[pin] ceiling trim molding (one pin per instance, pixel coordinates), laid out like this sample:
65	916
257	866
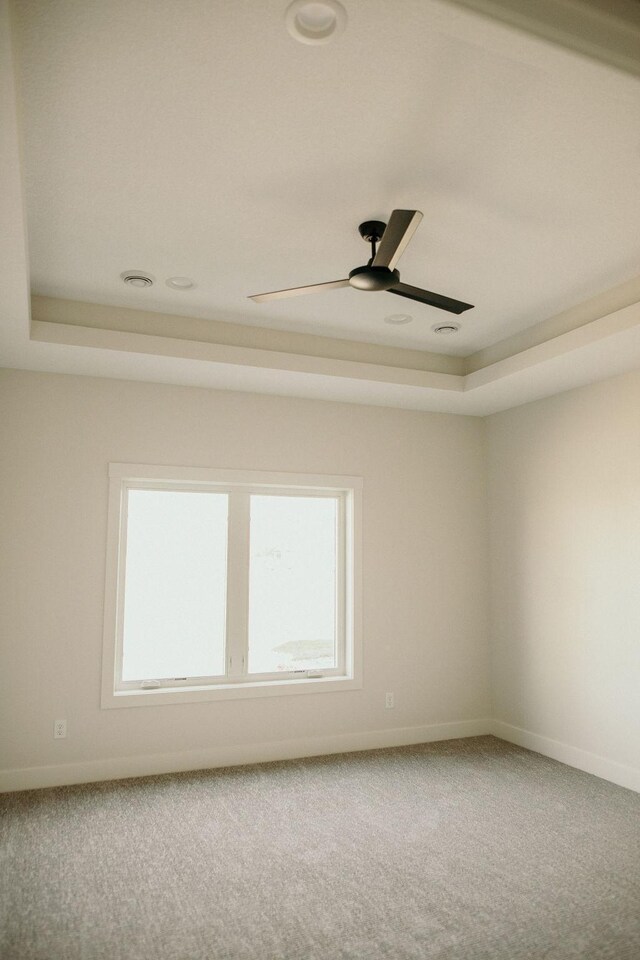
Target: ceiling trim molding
126	342
221	332
562	345
604	347
608	302
604	30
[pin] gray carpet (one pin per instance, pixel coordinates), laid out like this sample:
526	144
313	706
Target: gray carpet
463	850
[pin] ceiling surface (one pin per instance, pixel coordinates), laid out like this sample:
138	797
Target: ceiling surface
200	139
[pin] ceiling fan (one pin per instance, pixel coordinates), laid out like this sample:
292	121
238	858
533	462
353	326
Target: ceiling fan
379	273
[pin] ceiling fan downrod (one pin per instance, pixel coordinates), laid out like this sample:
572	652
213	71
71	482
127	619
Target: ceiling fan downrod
371	231
370	277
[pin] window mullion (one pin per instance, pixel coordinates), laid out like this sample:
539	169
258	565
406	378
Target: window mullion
238	585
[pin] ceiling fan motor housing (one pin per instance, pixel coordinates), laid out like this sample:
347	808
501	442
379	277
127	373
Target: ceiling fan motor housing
373	278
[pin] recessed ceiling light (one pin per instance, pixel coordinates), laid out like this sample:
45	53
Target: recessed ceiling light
315	22
137	278
398	318
180	283
446	328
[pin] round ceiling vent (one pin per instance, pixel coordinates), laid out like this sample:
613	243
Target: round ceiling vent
137	278
446	328
315	22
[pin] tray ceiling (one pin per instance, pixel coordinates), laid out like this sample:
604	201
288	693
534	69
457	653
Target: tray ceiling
199	139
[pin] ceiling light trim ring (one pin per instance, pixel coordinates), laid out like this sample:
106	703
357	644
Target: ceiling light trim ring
180	283
398	318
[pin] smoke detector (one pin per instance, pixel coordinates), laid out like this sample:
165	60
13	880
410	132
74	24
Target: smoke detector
315	22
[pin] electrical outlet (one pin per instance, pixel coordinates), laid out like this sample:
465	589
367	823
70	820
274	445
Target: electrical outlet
59	729
389	701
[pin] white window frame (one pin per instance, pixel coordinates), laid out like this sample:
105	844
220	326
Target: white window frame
347	675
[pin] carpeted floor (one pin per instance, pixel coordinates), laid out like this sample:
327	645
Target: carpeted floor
460	850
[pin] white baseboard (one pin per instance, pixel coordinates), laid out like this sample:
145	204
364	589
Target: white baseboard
117	768
611	770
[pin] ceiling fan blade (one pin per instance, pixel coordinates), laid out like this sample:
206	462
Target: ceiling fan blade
401	227
433	299
297	291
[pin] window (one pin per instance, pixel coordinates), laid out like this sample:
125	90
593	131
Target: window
227	584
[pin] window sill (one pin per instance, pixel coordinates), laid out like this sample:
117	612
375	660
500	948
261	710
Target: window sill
227	691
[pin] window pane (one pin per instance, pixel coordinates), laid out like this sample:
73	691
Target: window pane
175	585
292	583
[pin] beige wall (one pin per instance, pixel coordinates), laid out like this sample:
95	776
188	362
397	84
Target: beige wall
564	481
425	600
564	510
